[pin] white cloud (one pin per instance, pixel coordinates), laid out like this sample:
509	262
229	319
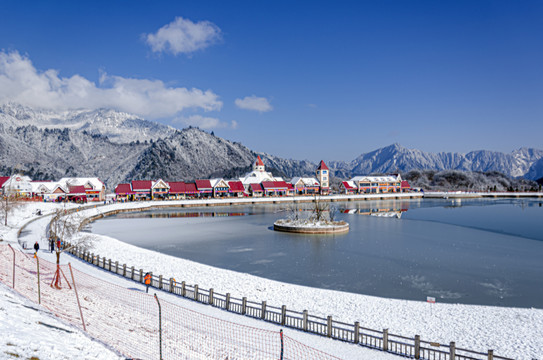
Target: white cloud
252	102
183	36
203	122
22	83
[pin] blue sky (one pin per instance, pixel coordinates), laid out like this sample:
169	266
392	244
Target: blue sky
303	80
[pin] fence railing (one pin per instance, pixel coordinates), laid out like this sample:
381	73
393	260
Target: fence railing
413	347
140	325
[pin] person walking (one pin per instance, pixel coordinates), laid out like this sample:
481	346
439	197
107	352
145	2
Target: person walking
36	246
147	280
51	245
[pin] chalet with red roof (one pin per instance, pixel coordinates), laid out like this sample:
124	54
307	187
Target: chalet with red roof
141	189
204	188
177	190
236	188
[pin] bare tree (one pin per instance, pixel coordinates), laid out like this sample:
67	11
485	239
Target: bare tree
9	202
319	209
64	231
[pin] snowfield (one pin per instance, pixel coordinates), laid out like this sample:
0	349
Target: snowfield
510	332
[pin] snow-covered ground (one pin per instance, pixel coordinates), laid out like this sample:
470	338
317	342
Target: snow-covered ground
510	332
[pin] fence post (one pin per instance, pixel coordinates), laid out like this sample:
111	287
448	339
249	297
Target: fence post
305	316
160	281
452	355
98	260
109	263
263	313
490	354
39	290
356	332
228	301
116	267
283	314
133	275
171	285
92	258
244	305
183	289
417	346
159	326
77	297
141	275
13	265
329	326
385	339
211	296
281	335
124	270
196	292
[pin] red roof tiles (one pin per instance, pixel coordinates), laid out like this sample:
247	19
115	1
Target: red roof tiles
259	161
236	186
177	187
123	189
142	185
203	185
322	166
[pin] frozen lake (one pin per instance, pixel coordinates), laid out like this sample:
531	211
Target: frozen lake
473	251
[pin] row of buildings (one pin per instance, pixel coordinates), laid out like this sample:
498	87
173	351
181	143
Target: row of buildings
66	189
256	183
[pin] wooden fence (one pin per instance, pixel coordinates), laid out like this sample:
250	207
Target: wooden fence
354	333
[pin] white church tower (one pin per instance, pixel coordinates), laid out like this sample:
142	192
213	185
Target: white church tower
259	165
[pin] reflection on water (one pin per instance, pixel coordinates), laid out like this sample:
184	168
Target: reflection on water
391	213
184	214
476	251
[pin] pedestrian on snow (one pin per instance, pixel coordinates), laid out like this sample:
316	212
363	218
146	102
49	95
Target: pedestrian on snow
51	245
147	279
36	246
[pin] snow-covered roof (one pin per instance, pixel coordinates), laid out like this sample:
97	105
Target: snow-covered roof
93	182
304	181
377	179
257	177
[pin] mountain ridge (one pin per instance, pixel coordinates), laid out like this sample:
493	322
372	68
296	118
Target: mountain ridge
119	147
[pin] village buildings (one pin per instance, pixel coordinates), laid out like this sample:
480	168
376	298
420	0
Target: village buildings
66	189
257	183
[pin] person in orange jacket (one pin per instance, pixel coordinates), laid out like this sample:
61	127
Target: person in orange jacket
147	281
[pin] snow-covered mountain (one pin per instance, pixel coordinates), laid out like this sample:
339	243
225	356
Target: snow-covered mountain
119	127
396	158
118	147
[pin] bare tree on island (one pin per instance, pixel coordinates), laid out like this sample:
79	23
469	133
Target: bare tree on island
319	209
64	229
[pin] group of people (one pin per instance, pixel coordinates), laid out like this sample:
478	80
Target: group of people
59	245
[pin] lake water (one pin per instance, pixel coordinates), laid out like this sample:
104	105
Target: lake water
473	251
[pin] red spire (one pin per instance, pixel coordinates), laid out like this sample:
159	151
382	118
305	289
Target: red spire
259	161
322	166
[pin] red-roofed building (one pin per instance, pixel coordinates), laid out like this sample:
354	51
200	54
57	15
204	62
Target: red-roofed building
275	188
348	187
77	193
236	188
204	188
177	189
256	190
323	177
405	187
191	190
141	189
123	192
